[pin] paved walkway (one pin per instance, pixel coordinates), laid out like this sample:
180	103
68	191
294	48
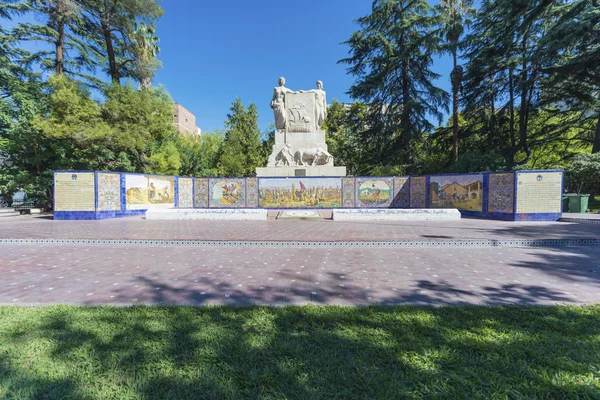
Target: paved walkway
293	230
94	275
128	274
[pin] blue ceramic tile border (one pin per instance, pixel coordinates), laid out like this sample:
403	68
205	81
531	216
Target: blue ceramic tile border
308	244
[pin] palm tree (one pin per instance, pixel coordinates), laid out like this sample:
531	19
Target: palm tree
454	15
146	48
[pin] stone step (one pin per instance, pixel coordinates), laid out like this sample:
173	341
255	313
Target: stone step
12	213
7	210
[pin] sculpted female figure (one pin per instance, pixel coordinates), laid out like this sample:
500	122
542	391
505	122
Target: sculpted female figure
278	104
321	103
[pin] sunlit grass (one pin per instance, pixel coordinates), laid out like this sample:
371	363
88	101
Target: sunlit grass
299	352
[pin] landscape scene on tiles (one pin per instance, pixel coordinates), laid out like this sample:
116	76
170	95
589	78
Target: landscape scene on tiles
464	192
374	192
300	193
149	191
227	193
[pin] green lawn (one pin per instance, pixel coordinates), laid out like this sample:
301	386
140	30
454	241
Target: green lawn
299	353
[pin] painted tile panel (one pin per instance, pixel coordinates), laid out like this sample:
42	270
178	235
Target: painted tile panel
401	193
200	192
464	192
374	192
252	193
185	192
418	192
348	192
301	193
227	192
109	192
149	191
501	193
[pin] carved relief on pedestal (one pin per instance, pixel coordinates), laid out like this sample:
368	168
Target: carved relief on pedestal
300	112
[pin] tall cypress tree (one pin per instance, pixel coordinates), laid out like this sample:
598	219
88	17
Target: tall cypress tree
391	58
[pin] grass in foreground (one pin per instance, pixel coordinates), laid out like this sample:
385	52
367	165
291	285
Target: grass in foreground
299	353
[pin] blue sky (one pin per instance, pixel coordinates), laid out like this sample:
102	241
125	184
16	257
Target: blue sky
213	51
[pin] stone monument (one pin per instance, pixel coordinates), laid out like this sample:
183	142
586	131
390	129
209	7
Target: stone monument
300	148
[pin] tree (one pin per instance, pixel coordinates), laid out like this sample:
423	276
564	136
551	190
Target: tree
502	79
582	174
200	154
455	15
241	152
66	48
391	58
571	57
117	36
344	125
145	49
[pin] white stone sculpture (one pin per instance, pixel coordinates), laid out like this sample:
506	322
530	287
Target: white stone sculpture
278	104
312	157
320	103
284	157
300	148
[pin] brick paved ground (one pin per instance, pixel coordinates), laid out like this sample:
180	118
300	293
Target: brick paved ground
309	230
77	274
92	275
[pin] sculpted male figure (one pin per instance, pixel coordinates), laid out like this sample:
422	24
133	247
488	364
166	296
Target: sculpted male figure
278	104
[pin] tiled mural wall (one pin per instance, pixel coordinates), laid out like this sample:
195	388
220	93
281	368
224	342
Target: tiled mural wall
486	195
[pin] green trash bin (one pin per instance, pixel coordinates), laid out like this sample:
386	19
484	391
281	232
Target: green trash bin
565	204
578	203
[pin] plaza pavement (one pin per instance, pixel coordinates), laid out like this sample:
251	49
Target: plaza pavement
33	274
293	230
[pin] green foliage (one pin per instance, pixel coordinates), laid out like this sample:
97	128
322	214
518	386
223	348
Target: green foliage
391	57
164	160
242	151
200	154
582	174
471	161
72	114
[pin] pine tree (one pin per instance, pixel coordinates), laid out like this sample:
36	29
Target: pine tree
502	79
67	49
113	25
241	151
391	58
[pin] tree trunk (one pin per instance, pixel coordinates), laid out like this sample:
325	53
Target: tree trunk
511	106
455	87
492	119
110	51
406	134
60	40
524	107
596	147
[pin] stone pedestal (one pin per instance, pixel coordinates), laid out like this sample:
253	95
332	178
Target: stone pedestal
318	170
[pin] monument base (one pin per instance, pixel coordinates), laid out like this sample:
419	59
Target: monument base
231	214
396	214
317	170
